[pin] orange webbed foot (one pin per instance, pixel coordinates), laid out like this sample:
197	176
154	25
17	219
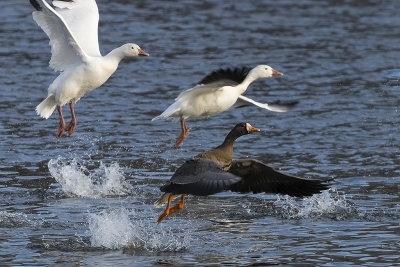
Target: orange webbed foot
172	210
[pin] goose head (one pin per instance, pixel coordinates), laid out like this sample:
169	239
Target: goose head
244	128
264	71
133	50
240	129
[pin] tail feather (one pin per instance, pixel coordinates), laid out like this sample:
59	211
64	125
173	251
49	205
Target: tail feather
169	112
46	107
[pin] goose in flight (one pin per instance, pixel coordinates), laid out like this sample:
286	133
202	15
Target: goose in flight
215	171
216	93
72	29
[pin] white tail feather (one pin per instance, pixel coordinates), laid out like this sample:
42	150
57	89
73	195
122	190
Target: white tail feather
46	107
169	112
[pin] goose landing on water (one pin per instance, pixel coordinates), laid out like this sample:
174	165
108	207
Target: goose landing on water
216	93
72	29
215	171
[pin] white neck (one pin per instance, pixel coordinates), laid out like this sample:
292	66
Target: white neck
246	82
116	55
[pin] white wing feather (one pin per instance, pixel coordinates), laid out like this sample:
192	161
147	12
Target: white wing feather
203	88
276	108
65	48
82	18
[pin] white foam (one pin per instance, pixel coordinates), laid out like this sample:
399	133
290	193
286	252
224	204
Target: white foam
111	229
14	219
330	203
76	179
120	228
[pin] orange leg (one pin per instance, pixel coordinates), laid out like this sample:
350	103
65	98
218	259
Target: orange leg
61	128
172	210
184	133
72	124
166	212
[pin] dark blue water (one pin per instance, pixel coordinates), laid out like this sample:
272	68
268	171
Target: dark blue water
88	199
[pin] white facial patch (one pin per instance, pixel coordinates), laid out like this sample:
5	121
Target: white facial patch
248	126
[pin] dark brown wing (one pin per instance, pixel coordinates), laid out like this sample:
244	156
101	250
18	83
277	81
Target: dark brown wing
258	177
200	177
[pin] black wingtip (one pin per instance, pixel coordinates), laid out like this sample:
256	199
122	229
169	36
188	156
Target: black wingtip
234	74
36	5
312	187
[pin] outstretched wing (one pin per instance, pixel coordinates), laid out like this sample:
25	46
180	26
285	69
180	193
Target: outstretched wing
62	27
82	17
200	177
258	177
277	107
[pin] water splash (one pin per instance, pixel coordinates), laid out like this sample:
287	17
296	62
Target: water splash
11	219
330	203
113	229
76	179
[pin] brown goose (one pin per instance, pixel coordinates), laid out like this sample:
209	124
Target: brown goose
214	171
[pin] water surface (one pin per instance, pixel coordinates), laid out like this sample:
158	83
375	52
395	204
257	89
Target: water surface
88	199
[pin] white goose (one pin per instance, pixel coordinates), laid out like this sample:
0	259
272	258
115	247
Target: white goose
217	92
72	29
